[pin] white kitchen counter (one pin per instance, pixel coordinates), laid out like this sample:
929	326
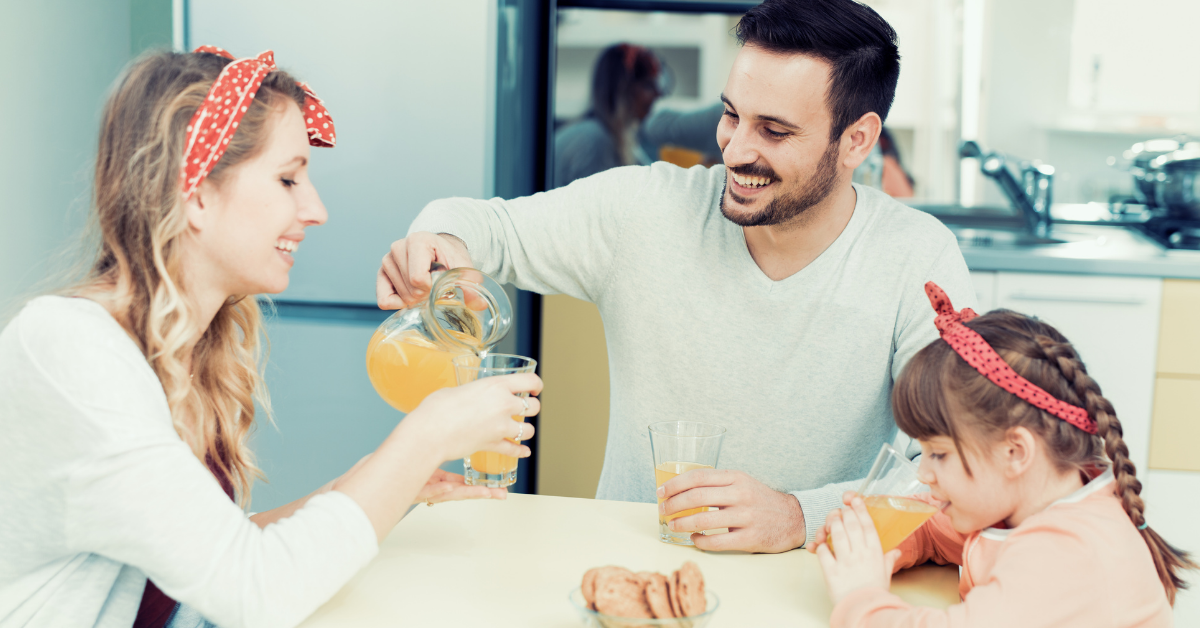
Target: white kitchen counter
513	563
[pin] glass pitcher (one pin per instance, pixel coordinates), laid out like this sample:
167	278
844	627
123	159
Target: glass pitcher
412	352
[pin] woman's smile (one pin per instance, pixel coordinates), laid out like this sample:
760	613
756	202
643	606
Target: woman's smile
287	246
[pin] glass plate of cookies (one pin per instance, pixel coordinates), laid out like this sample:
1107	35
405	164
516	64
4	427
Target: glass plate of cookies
615	597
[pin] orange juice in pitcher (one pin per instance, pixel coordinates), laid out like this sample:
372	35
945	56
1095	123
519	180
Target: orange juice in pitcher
410	355
406	367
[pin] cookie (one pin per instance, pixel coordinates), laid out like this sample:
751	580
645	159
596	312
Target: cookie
588	588
657	596
690	583
620	593
673	593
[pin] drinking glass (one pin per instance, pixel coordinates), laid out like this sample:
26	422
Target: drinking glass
891	493
488	468
679	447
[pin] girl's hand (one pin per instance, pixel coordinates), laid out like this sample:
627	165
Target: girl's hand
444	486
823	532
860	561
479	416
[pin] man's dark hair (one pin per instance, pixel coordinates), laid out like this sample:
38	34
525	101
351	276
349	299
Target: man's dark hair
851	37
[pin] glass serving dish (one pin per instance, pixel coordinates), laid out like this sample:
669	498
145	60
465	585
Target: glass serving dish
594	619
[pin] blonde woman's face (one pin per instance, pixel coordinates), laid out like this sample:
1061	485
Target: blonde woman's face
251	225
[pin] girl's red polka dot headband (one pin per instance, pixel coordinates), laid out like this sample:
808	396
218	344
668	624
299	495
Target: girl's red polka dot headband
227	101
972	348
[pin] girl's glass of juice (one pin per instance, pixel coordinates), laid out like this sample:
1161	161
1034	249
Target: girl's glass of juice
896	499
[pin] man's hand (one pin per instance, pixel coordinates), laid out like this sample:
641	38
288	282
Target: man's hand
759	518
404	279
860	561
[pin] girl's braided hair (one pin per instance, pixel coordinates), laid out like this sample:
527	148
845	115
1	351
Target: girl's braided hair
937	381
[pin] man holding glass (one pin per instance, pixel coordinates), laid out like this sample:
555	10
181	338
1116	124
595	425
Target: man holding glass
770	295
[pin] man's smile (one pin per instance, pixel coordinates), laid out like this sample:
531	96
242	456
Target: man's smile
748	185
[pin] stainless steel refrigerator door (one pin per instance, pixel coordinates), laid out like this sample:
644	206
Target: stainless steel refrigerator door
411	87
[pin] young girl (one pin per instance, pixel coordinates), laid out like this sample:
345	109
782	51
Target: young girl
1044	515
125	403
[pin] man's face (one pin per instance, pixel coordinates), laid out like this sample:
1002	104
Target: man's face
774	138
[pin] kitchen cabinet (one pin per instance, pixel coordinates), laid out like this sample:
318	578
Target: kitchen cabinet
1113	323
1179	349
1175	435
573	424
1177	395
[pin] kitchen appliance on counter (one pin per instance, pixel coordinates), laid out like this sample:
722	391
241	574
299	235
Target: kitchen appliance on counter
1166	178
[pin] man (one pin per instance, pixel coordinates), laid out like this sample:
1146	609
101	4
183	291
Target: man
769	295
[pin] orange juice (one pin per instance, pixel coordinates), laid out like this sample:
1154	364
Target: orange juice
406	367
668	470
895	518
492	463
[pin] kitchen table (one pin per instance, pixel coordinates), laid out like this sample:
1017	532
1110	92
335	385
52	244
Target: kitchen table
513	563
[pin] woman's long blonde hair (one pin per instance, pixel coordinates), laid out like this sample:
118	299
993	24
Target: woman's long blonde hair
140	219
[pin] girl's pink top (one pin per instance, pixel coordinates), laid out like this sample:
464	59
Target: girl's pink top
1079	562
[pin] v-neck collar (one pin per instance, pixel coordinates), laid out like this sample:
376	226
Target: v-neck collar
835	248
1097	483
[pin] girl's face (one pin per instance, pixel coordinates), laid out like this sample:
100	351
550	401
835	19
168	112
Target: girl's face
247	229
976	501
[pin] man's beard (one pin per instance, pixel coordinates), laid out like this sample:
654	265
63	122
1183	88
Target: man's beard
787	206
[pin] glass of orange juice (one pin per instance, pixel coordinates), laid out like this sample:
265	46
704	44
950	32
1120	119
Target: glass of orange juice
488	468
896	499
679	447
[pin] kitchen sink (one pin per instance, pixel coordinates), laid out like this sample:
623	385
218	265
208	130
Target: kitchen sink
1081	239
994	228
1014	238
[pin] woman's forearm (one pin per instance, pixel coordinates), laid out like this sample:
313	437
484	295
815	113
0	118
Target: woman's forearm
267	517
386	484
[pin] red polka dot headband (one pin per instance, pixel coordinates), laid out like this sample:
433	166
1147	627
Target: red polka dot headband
229	98
972	348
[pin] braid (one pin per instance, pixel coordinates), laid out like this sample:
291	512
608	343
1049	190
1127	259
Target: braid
1063	356
1167	559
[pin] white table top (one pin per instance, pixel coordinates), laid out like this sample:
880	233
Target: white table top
513	563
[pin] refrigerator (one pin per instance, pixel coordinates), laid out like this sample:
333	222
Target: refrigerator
412	88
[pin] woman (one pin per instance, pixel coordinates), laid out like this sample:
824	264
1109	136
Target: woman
625	84
126	401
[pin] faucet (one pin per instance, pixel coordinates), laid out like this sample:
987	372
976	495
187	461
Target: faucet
1031	196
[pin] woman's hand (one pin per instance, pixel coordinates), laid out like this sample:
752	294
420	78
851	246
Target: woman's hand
860	561
444	486
478	416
